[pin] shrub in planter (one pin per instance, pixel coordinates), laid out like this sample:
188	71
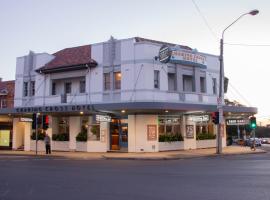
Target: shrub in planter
81	137
170	138
205	136
40	135
60	137
95	130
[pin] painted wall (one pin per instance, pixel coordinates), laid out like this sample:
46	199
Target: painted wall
137	133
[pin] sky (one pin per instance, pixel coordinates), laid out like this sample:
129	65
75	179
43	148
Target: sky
52	25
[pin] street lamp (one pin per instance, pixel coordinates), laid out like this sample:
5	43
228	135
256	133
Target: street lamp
221	78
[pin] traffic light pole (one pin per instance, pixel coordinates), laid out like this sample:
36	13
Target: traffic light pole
36	133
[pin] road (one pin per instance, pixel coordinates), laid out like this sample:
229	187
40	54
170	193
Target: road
229	177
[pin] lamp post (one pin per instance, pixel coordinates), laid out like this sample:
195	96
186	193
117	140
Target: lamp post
221	78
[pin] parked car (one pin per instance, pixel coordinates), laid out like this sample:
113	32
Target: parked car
265	140
249	142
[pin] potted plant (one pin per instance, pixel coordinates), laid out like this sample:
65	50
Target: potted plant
95	130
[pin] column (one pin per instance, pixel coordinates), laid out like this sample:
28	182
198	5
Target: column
27	134
74	129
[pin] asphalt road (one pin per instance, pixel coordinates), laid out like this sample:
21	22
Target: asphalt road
229	177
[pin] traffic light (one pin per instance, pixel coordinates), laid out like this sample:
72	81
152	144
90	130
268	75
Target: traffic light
252	122
34	121
215	117
45	122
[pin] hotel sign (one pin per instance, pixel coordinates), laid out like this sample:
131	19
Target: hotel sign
48	109
181	56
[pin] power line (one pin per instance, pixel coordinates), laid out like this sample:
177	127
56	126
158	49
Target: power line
249	104
248	45
204	19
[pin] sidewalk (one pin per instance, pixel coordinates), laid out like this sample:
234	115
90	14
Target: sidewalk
168	155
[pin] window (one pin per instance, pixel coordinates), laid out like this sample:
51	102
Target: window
67	88
169	125
53	88
107	83
117	80
156	79
171	81
188	84
202	84
32	86
3	103
82	86
25	89
214	83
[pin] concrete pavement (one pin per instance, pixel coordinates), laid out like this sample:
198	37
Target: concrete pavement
168	155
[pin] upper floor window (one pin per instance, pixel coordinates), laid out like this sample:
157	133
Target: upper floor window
188	83
82	86
171	81
25	89
156	79
67	87
117	80
202	84
3	103
214	84
32	88
107	82
53	88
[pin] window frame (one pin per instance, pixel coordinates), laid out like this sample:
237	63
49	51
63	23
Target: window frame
106	81
117	82
25	89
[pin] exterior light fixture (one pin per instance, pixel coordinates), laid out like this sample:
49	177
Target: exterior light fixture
123	111
166	111
81	113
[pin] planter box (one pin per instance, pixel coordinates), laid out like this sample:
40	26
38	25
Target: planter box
201	144
81	146
96	146
60	145
40	147
171	146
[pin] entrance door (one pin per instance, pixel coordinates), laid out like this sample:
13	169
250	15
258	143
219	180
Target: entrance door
119	135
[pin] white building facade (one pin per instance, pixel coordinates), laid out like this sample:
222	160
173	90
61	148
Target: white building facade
132	95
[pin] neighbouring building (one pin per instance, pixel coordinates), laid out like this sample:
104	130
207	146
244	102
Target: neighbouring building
6	101
134	95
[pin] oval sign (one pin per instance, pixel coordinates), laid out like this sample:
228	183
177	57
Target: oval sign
164	54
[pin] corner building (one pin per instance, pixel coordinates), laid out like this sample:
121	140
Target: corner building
132	95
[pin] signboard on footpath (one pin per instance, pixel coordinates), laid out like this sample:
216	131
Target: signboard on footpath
190	131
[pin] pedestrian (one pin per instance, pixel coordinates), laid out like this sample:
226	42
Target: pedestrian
47	141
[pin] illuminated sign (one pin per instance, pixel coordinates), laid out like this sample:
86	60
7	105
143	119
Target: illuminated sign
23	119
103	118
199	118
181	56
237	121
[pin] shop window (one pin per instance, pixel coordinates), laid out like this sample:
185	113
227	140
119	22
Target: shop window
171	81
63	130
107	82
202	84
188	83
82	86
156	79
117	80
25	89
169	125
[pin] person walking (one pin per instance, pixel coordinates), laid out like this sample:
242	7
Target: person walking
47	141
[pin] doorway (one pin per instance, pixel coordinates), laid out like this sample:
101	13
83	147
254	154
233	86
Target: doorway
119	135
